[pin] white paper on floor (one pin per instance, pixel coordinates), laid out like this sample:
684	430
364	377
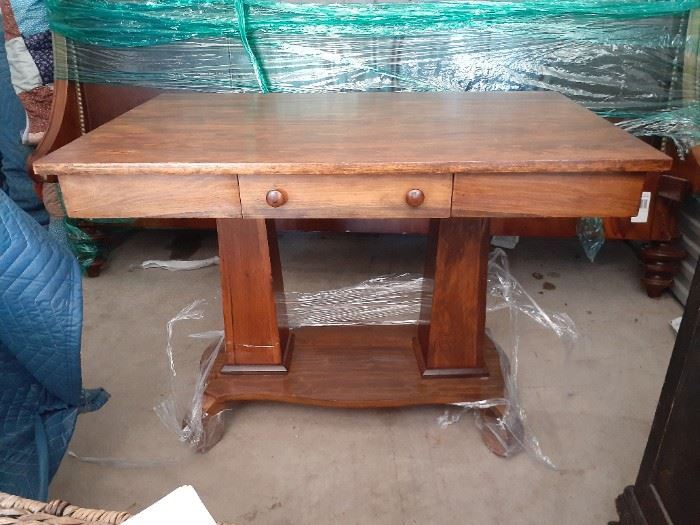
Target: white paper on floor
676	324
181	507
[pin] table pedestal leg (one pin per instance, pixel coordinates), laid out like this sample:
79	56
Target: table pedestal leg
448	361
254	340
251	277
452	343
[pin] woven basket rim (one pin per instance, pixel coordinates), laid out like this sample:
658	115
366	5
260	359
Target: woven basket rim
14	507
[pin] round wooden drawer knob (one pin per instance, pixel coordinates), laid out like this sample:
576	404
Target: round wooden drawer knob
415	197
275	198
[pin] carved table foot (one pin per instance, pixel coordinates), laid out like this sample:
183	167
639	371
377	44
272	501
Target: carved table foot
212	431
501	431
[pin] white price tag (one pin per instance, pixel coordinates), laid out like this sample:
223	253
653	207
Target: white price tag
643	213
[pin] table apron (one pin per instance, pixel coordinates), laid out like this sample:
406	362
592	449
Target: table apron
390	196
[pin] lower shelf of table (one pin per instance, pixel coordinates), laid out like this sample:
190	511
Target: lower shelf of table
354	367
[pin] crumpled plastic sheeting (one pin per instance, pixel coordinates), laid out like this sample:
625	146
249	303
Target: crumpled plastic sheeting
182	410
391	299
591	234
681	125
615	57
388	299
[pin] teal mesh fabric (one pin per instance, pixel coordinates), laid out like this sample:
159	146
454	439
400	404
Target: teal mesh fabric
621	58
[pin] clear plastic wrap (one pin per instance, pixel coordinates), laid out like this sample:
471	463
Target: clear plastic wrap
617	57
591	235
681	125
391	299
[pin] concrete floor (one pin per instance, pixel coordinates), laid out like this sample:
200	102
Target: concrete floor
590	407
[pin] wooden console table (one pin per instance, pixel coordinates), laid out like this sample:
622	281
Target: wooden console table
456	158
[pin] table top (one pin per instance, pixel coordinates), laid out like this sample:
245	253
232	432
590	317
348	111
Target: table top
355	133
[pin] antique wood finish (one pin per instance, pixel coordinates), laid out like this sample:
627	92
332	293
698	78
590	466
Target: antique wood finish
355	367
101	103
338	133
251	276
526	226
543	195
662	261
534	227
457	262
355	156
121	99
523	226
94	196
667	486
370	226
499	437
332	196
64	126
177	224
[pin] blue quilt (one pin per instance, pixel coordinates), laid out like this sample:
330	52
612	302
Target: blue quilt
41	390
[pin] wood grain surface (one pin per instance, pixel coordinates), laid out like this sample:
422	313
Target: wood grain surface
251	276
155	195
354	133
457	263
547	195
361	196
354	367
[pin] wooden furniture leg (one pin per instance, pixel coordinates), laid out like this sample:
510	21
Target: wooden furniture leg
452	344
447	361
254	341
662	261
251	277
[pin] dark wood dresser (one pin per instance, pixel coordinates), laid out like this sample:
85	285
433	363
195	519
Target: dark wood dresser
667	489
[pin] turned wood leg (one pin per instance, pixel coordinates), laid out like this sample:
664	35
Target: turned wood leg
662	261
251	277
457	261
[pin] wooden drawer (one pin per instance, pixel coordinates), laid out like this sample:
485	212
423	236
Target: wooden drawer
547	194
337	196
94	196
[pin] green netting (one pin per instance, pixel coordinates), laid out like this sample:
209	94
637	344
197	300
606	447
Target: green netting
91	241
128	23
621	58
681	125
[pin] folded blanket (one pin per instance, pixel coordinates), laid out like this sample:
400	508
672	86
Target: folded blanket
29	52
41	317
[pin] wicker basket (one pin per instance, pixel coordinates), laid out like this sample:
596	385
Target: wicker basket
16	510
